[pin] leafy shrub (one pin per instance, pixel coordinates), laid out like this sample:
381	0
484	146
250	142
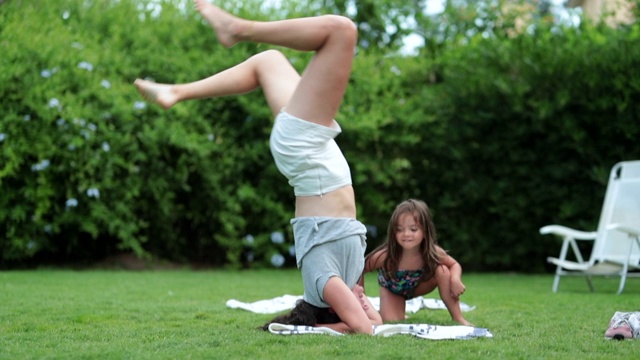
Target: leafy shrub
500	135
88	169
533	125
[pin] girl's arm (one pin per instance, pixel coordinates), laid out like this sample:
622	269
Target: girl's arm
455	271
373	262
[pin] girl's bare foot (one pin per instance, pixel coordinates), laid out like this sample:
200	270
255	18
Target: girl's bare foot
228	28
160	94
463	321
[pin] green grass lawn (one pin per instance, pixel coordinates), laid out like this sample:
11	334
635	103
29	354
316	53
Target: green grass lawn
181	314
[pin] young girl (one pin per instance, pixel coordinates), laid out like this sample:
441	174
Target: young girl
329	241
411	264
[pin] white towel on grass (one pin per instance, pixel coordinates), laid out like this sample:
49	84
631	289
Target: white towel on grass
422	331
288	302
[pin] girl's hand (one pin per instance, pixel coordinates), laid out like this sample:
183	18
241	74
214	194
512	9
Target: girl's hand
457	289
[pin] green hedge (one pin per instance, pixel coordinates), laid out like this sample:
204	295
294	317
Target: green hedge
88	169
499	135
532	126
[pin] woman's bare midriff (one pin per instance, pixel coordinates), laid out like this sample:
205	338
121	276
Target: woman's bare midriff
338	203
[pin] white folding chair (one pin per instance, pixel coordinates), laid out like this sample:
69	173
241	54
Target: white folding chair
616	242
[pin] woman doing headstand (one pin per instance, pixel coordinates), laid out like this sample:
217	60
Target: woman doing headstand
329	241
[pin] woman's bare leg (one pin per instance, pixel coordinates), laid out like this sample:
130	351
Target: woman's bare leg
269	70
324	81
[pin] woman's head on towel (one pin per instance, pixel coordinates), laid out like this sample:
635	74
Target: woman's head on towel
305	314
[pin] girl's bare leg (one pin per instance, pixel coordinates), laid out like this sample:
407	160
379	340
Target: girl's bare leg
442	280
324	81
392	306
269	70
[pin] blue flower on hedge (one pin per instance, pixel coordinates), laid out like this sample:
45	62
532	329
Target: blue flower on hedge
139	105
79	121
250	256
277	237
93	192
2	137
47	228
248	239
71	203
106	147
41	165
277	260
66	14
292	250
26	118
85	65
46	73
105	84
54	103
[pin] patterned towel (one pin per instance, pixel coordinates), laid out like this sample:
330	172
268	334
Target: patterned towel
288	302
282	329
422	331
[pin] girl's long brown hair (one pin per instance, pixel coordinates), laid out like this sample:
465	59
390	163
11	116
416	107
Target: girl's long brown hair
422	216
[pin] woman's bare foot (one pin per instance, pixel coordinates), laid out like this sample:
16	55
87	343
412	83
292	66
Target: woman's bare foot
228	28
160	94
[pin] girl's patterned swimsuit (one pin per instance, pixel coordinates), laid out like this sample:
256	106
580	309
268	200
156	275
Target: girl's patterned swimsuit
404	283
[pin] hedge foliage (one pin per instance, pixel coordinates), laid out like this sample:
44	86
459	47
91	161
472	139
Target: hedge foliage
499	134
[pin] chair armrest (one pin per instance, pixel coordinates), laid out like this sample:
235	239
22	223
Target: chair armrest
632	231
568	232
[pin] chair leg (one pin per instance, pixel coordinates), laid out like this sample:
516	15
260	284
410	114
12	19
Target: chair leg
589	283
625	267
623	276
556	280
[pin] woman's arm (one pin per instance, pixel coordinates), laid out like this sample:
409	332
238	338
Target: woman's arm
371	311
339	327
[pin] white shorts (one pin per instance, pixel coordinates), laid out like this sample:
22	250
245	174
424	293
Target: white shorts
308	156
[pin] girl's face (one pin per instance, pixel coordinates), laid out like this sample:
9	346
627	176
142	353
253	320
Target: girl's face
409	234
